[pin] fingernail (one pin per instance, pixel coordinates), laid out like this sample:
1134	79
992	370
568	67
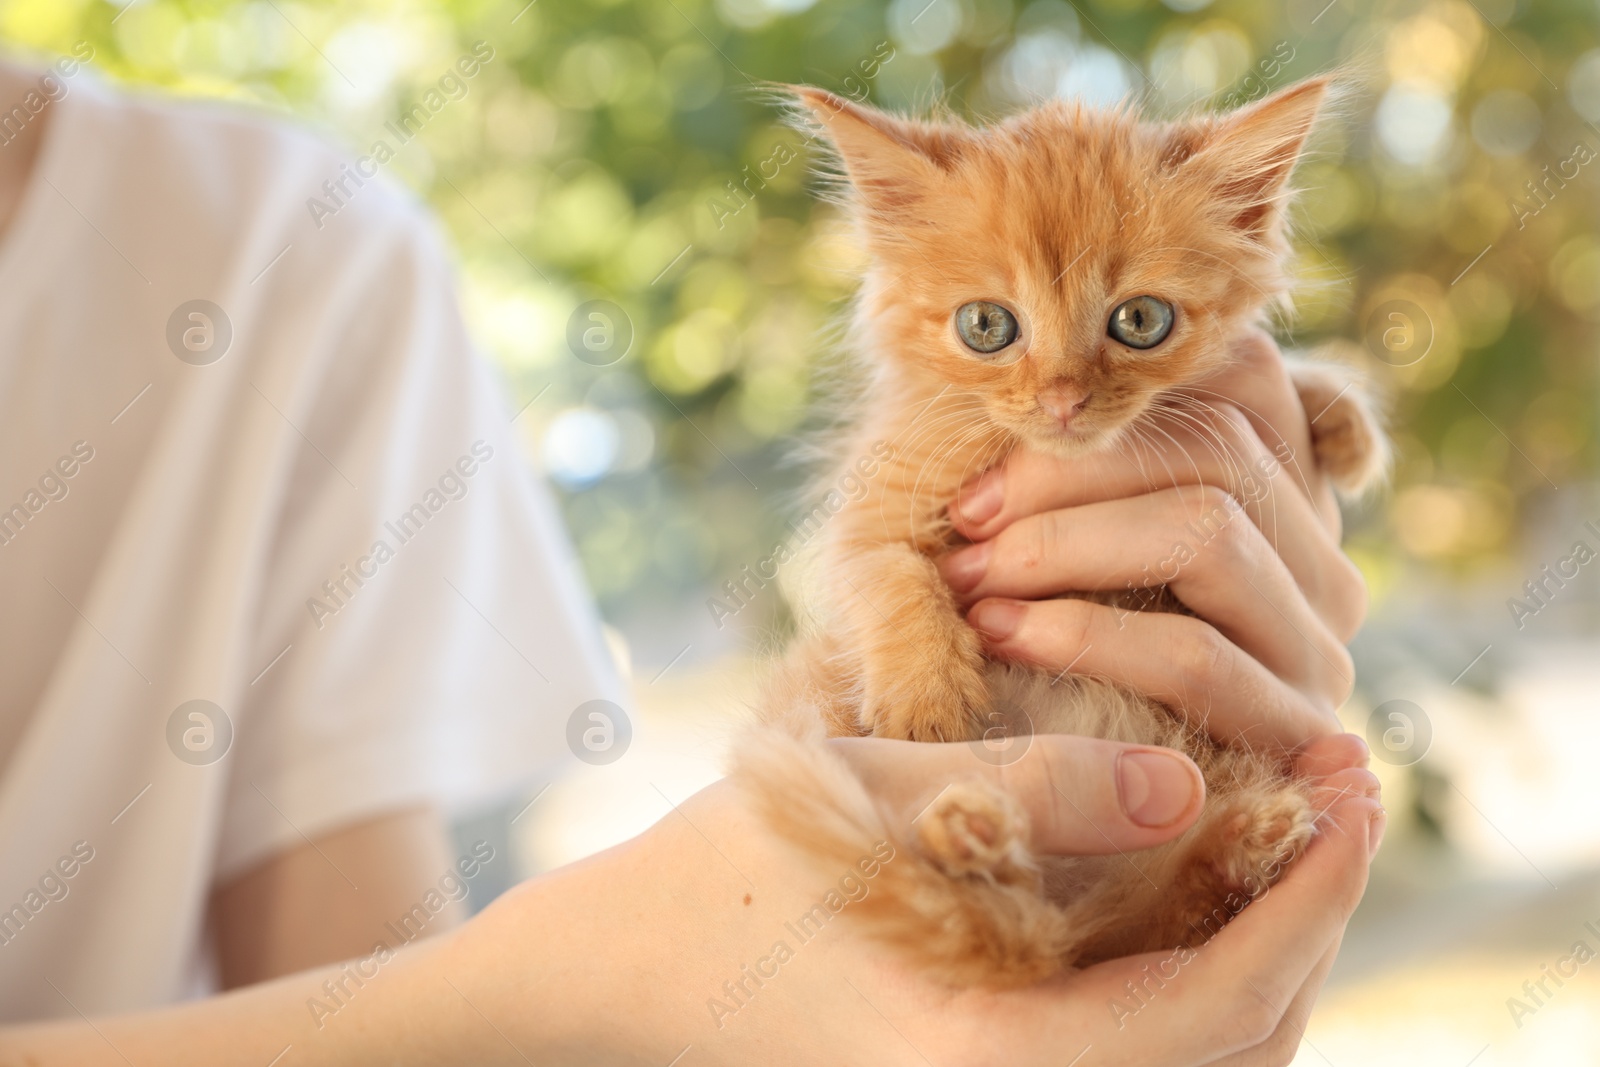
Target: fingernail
983	502
1375	828
965	568
1155	786
996	619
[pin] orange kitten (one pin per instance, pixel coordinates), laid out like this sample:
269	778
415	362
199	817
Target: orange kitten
1049	280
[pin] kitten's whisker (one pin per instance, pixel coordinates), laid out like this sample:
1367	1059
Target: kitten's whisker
1235	473
1298	467
934	469
1266	502
1183	407
1209	435
1160	453
1226	458
983	437
914	449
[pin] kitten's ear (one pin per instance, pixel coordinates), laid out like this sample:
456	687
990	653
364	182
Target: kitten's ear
1247	156
890	161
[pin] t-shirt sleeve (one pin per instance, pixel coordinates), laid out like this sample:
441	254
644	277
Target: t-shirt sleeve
424	634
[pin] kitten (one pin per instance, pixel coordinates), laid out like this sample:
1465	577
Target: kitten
1053	280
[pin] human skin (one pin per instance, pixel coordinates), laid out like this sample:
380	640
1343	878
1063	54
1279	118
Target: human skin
614	960
296	909
1275	598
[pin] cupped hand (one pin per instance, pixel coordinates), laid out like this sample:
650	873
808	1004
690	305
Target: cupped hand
667	946
1218	501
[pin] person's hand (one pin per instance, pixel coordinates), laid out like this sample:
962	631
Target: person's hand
635	956
1222	503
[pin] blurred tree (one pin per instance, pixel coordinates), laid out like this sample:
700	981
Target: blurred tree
620	150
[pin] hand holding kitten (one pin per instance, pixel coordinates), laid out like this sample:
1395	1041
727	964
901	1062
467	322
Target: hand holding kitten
1273	598
636	985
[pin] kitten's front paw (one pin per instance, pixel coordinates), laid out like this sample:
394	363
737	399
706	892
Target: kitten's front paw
916	702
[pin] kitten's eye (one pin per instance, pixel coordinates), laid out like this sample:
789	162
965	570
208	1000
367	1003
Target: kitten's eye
1142	322
984	327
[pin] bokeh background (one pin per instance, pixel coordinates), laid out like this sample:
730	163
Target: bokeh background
1447	228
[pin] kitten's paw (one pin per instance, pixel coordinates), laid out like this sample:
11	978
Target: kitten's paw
1256	838
1346	432
917	702
974	828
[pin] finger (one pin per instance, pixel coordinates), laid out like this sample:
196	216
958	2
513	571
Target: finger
1218	448
1285	1040
1225	453
1139	998
1257	383
1243	979
1195	541
1326	756
1083	796
1201	1002
1193	1004
1198	672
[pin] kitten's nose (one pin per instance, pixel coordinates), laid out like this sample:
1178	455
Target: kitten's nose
1063	400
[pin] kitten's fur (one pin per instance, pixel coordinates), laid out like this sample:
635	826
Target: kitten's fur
1060	214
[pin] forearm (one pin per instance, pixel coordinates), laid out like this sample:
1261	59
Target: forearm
685	937
368	1023
555	972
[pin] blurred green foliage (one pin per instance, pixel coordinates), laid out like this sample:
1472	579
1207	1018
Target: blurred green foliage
593	159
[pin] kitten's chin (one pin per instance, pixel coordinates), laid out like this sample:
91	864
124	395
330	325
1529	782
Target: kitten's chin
1069	443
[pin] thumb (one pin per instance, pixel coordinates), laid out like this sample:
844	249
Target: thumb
1083	796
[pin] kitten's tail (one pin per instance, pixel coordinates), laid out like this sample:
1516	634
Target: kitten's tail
961	896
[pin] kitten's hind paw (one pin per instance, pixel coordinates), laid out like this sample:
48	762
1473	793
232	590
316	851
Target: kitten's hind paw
975	829
1346	431
1258	839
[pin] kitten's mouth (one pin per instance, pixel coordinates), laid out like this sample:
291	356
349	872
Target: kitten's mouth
1073	438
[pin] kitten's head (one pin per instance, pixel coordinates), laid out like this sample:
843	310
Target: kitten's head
1068	266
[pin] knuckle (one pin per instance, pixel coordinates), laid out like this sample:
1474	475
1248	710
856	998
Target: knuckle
1252	1022
1235	537
1347	596
1205	515
1279	1049
1211	500
1326	678
1260	1018
1200	656
1344	666
1077	621
1236	431
1257	351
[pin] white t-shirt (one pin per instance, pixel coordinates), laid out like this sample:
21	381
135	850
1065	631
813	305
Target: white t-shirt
327	533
